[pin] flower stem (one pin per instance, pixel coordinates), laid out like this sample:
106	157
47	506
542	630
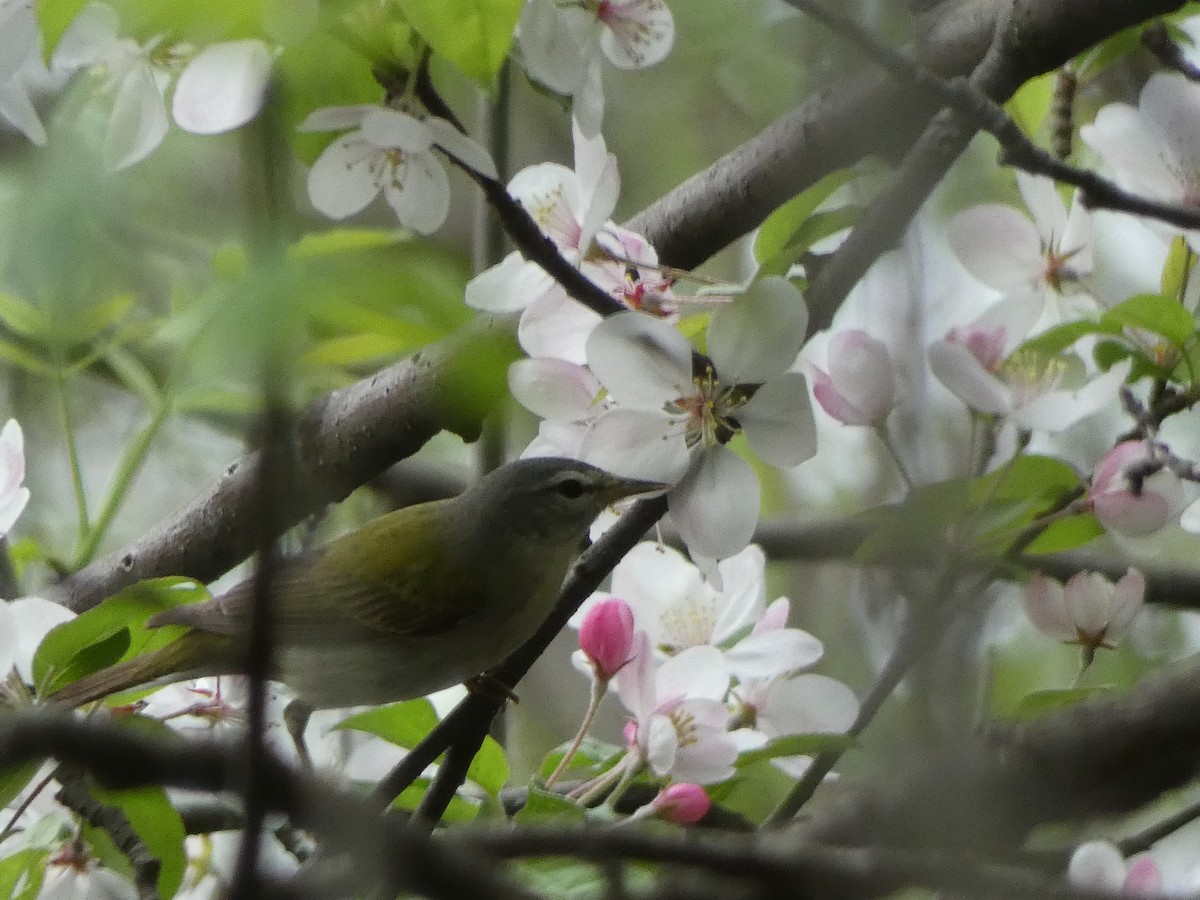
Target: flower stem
64	408
881	430
599	689
131	462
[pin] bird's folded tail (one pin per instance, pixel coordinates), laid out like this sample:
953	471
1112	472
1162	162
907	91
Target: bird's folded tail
194	655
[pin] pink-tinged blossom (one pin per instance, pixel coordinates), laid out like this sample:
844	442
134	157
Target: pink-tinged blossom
13	494
1099	866
561	46
671	423
1036	262
20	56
606	637
1118	507
679	726
390	152
220	88
860	386
682	804
679	608
570	206
981	365
1089	610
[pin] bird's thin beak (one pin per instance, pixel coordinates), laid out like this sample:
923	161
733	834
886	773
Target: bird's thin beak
629	487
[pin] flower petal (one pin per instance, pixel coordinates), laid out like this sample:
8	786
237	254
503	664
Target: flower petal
222	87
555	325
467	151
553	388
419	192
644	363
636	443
637	34
778	421
771	653
808	704
509	286
759	334
138	123
715	506
997	245
960	372
342	181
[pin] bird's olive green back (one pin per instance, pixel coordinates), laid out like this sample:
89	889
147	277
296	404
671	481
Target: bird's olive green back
388	578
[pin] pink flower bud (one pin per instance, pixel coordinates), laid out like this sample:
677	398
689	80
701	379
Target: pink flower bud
1115	503
859	388
606	637
683	804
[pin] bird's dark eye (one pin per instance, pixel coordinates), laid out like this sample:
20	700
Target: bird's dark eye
570	488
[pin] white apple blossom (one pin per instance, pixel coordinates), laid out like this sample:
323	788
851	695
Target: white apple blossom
390	152
220	87
806	703
977	364
679	608
1041	262
680	721
1089	610
1153	149
561	45
23	625
670	423
13	494
19	54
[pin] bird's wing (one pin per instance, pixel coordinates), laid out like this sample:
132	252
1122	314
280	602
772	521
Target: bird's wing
342	590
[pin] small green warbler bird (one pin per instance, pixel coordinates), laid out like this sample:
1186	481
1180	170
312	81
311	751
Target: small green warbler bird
414	601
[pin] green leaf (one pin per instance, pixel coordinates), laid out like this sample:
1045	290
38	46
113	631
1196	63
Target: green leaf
20	357
13	780
473	35
1156	313
1040	703
489	768
777	232
1030	475
90	320
346	240
53	18
1055	340
23	317
1066	534
159	826
360	349
593	755
816	227
1177	269
134	375
22	873
542	805
1031	103
458	812
404	724
111	632
797	745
